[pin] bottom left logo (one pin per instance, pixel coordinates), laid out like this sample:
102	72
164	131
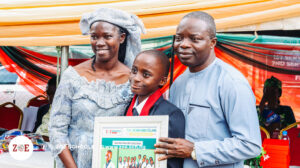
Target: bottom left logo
20	148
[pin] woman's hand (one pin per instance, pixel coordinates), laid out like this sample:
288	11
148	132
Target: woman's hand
67	159
264	99
174	148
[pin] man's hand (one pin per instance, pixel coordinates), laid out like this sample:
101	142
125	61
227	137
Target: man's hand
174	147
46	138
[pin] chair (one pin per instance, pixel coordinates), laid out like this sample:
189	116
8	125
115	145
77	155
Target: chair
291	126
11	116
37	101
264	133
293	133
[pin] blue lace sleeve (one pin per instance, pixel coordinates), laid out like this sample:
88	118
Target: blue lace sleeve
60	115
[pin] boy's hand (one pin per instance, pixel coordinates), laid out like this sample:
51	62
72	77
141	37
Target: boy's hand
174	147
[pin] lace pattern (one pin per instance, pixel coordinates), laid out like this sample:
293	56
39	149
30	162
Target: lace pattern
76	103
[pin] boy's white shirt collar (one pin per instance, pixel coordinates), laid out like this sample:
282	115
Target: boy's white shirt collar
140	106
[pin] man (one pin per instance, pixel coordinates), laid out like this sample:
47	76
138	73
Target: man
109	163
43	114
132	163
139	162
125	163
128	161
120	164
144	162
151	159
151	165
221	121
144	165
135	161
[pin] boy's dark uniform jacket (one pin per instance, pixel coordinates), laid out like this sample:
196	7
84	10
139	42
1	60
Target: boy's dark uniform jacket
176	124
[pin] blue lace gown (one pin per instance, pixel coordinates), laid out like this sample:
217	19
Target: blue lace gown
76	103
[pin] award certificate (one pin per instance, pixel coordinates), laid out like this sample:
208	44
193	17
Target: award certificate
128	141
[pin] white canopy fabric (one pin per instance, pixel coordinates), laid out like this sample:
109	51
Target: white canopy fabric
282	24
55	22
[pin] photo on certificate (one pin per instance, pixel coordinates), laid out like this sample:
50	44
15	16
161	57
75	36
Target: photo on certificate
109	158
136	158
121	142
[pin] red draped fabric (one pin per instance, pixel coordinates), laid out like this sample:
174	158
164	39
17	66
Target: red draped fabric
35	82
281	57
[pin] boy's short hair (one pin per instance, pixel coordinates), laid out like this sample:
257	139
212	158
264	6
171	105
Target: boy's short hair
205	17
162	57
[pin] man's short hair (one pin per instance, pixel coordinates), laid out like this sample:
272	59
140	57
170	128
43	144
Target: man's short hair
205	17
162	57
51	86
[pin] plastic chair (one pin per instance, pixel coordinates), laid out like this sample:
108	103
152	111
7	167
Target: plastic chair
37	101
293	133
10	117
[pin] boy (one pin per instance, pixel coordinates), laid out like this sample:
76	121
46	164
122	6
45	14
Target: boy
148	74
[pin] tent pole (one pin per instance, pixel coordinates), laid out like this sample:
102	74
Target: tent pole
64	58
172	65
58	49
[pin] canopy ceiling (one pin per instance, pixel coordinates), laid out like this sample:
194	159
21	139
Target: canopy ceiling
55	22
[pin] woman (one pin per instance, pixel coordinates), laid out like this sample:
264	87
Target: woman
97	87
274	116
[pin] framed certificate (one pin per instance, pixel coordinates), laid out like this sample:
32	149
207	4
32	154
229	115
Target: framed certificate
128	141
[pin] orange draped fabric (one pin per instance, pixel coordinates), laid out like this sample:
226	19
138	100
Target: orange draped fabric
256	78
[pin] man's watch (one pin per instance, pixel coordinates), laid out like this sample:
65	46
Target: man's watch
193	154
